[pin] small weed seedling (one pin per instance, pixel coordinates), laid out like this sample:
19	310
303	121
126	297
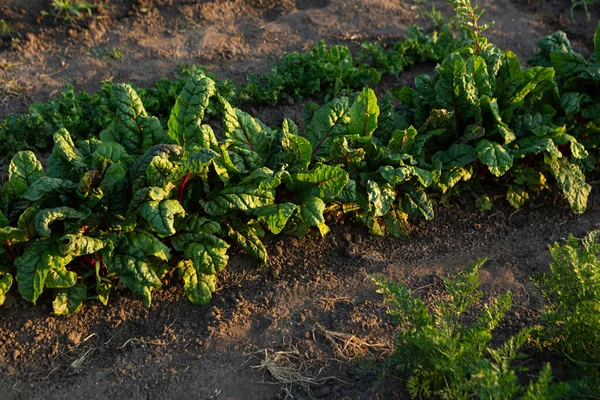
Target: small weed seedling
70	10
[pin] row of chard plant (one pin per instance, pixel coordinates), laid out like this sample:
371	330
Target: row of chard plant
140	202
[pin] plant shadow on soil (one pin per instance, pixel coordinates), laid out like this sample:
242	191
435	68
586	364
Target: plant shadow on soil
312	284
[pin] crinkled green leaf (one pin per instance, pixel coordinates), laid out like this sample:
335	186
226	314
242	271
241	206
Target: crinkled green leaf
276	216
66	150
381	196
34	265
457	155
567	63
109	151
152	132
195	164
133	266
417	203
149	244
25	167
161	215
534	145
13	190
207	252
496	157
187	114
325	182
396	222
70	301
238	198
126	126
60	279
477	68
295	151
387	120
403	141
137	172
327	123
571	181
363	114
113	174
198	287
348	194
45	217
246	132
46	185
424	176
455	89
312	210
77	245
247	238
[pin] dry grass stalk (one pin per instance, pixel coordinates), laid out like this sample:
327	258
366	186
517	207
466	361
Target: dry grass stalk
288	369
349	347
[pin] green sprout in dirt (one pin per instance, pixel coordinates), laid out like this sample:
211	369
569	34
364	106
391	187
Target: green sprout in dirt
447	357
70	10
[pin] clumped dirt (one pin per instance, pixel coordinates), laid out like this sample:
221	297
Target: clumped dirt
311	285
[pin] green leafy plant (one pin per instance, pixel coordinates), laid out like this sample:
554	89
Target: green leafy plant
571	316
448	358
578	83
70	10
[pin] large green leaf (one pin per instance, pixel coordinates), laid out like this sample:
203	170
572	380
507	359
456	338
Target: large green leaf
238	198
70	301
198	287
325	182
363	114
34	266
126	128
132	264
327	123
185	122
65	149
571	181
77	245
381	196
47	216
160	215
247	238
276	216
246	132
457	155
207	252
417	203
496	157
46	185
455	89
25	167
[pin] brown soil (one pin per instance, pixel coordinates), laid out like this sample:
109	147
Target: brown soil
177	350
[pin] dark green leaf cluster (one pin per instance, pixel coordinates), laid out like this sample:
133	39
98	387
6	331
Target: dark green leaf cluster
322	70
578	82
329	72
448	358
481	105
